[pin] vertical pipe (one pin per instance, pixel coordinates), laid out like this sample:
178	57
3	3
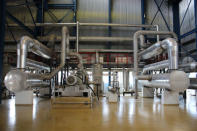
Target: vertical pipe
135	61
157	28
97	57
2	34
77	35
195	13
18	55
136	88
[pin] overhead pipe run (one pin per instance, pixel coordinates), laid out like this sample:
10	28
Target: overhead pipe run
86	39
87	24
78	24
106	50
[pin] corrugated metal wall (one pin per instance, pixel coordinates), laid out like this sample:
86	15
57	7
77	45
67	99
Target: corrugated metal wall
123	11
151	10
189	22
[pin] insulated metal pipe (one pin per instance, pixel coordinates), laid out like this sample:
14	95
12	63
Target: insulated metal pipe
151	51
135	38
18	56
35	47
144	77
156	66
142	41
65	40
189	66
91	39
116	25
97	57
106	50
175	81
172	47
87	24
77	40
105	39
37	83
36	64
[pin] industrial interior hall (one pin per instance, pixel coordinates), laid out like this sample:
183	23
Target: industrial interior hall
103	65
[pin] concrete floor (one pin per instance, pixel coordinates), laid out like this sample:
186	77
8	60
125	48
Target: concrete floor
129	114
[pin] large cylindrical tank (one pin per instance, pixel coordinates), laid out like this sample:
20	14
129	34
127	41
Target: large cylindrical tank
15	81
175	81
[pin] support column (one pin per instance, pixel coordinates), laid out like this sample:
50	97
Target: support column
176	21
147	92
2	35
143	12
24	98
195	14
170	97
126	79
41	7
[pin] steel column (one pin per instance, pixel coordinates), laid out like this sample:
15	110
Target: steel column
109	21
41	7
143	11
75	10
176	21
2	35
109	32
195	14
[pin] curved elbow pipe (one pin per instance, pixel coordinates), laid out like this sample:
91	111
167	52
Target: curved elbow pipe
27	43
65	42
172	47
